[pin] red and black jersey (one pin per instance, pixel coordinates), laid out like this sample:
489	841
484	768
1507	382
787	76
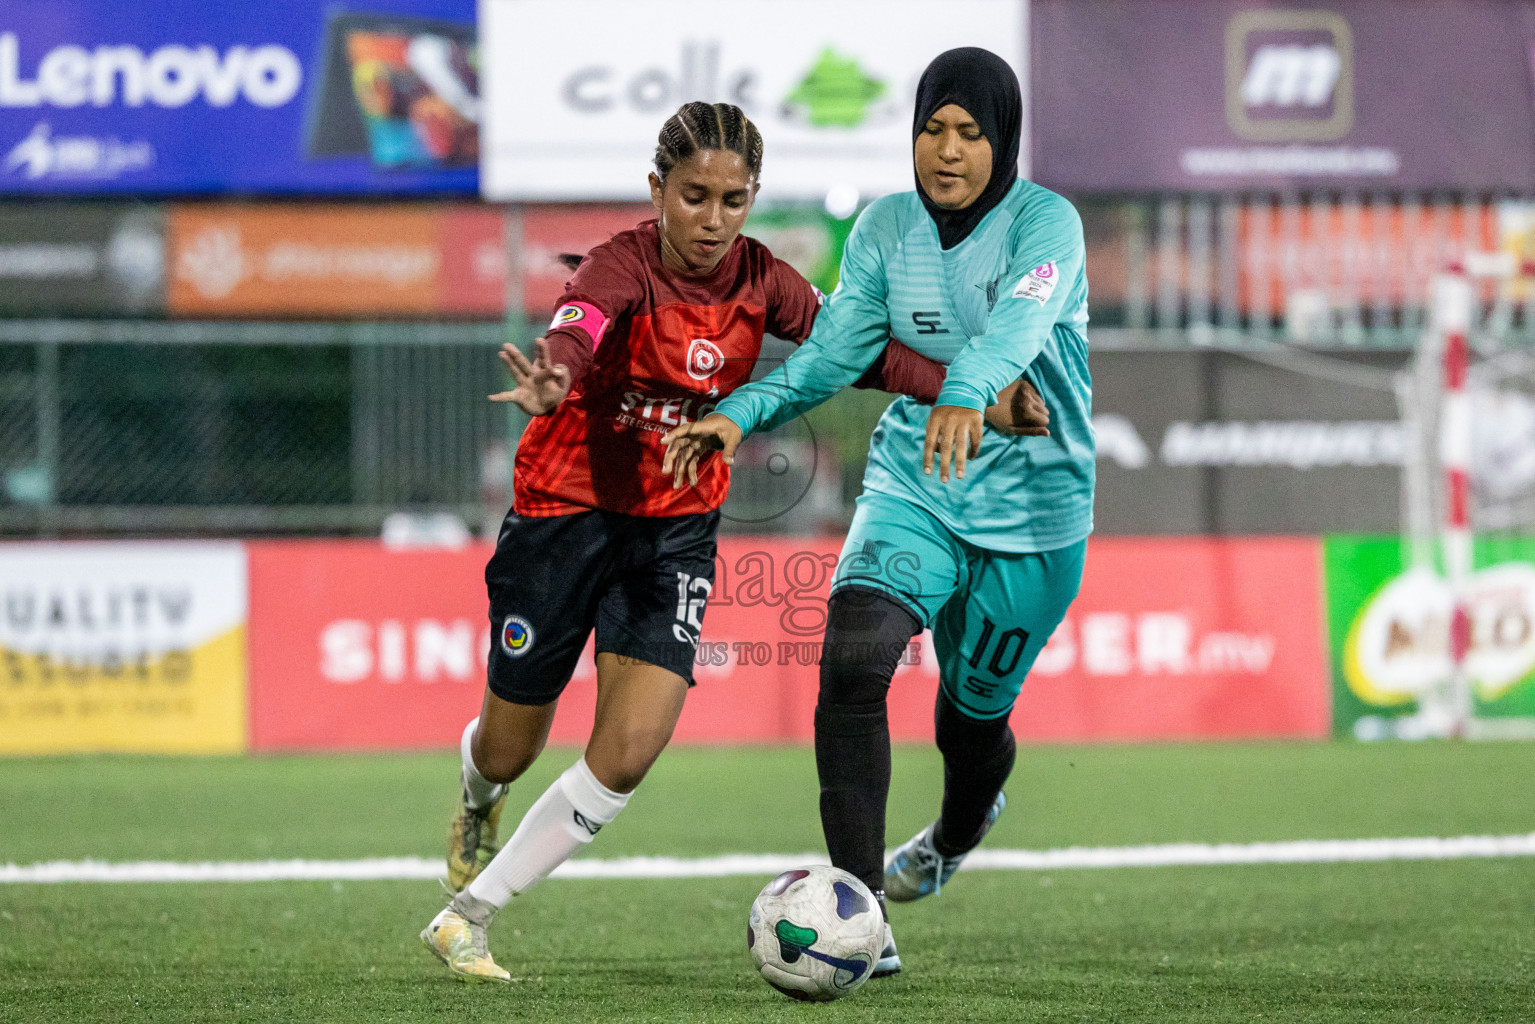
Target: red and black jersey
665	349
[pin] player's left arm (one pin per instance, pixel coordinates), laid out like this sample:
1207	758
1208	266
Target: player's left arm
850	330
898	370
1047	256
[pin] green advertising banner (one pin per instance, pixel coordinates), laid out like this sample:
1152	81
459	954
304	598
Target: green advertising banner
1389	637
804	237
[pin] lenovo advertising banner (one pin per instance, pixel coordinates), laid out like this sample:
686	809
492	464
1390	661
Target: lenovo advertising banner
576	92
338	260
134	647
1241	444
1389	625
1232	94
357	646
284	96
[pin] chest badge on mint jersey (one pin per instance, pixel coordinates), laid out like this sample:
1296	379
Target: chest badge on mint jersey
516	636
1038	284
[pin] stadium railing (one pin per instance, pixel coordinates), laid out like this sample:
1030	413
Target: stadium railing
160	427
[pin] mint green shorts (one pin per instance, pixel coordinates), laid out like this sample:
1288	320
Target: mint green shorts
991	612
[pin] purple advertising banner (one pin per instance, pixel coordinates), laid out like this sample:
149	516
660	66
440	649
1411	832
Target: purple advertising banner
1214	94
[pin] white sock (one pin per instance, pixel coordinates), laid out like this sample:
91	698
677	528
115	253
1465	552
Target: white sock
558	824
478	793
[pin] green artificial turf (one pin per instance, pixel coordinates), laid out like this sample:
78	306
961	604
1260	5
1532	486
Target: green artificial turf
1423	941
700	801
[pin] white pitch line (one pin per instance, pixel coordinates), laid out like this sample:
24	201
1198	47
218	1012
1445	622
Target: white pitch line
1307	851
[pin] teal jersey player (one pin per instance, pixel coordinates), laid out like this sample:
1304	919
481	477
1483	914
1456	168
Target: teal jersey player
984	273
1011	298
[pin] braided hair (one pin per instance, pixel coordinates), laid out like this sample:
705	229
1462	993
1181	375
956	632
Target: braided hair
697	126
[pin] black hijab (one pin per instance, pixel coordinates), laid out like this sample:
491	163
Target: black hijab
982	83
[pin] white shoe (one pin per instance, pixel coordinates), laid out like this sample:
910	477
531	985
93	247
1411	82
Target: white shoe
917	869
457	938
889	960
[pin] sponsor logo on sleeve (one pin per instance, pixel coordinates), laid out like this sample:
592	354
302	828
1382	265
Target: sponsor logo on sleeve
567	315
1038	284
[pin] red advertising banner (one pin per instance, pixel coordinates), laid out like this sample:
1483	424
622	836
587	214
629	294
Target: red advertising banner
1186	638
363	647
356	646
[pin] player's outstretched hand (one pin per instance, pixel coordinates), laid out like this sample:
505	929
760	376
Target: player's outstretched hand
954	435
690	443
1019	411
541	385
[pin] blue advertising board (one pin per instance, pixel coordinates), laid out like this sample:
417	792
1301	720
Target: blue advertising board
175	97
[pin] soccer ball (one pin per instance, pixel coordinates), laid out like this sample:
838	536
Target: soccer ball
815	933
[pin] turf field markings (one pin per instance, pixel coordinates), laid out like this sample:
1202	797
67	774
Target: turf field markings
1307	851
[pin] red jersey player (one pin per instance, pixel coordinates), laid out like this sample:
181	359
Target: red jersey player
656	326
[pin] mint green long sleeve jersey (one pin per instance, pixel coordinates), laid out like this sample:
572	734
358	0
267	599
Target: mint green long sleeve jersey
1011	298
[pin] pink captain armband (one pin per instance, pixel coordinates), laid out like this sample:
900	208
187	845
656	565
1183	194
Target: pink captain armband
583	315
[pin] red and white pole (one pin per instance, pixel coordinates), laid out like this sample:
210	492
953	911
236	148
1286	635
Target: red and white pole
1454	300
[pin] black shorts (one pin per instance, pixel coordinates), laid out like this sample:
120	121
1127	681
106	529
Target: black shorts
641	582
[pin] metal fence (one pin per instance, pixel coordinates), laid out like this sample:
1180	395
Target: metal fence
152	427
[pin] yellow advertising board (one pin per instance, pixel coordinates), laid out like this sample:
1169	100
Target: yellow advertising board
122	647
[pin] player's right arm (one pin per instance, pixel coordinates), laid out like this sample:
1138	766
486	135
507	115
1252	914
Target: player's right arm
851	330
607	284
541	384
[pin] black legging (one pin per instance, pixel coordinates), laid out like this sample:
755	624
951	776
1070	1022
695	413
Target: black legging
866	633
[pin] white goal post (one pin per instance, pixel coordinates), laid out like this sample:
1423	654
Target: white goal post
1465	392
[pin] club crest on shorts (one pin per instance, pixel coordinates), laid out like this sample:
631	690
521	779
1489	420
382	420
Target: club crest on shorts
704	359
516	636
1037	284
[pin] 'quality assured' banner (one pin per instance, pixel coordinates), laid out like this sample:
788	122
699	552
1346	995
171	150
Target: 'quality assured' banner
1390	624
576	92
1220	94
171	96
356	646
122	647
337	260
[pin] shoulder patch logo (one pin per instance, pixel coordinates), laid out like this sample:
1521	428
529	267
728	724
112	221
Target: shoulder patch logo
516	636
1038	284
567	315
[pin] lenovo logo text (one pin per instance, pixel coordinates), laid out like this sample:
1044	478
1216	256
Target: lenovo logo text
170	76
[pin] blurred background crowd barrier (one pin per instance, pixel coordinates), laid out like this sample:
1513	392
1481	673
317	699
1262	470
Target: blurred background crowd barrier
255	263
